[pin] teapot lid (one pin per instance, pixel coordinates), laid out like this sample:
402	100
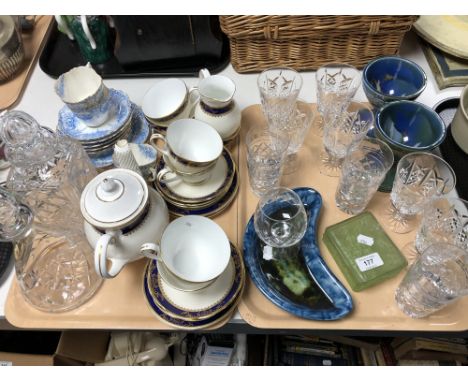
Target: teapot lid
114	199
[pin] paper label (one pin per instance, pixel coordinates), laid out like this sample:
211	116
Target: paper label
366	263
6	363
363	239
267	252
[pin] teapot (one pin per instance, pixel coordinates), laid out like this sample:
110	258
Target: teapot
121	214
217	106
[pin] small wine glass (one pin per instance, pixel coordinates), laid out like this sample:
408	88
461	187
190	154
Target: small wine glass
280	219
337	84
279	89
296	130
342	133
419	179
444	220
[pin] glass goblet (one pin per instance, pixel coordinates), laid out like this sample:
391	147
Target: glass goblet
279	89
444	220
296	130
343	133
337	84
419	178
280	219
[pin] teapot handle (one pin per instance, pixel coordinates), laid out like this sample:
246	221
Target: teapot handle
100	257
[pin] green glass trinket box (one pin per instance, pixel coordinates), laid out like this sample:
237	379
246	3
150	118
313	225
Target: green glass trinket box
364	252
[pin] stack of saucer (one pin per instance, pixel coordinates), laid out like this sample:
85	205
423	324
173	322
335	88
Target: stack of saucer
202	251
208	198
125	121
196	309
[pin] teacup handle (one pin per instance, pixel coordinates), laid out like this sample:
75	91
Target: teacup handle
154	138
204	73
161	176
100	257
151	251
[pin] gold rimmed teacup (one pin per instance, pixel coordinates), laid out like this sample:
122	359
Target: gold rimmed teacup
234	288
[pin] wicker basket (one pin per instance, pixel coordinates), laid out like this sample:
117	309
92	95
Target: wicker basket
308	42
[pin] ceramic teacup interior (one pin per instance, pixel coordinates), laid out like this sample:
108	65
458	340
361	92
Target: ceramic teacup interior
395	77
164	98
79	84
217	88
411	125
195	248
194	140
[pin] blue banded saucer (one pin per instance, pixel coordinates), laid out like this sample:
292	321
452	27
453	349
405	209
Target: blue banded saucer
208	211
181	323
157	288
220	183
69	124
138	134
325	298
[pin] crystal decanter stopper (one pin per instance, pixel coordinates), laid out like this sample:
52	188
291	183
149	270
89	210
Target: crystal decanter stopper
48	171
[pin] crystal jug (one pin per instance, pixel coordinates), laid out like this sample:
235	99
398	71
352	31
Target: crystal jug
54	262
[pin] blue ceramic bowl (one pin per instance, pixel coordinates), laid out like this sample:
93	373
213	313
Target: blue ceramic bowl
409	126
392	78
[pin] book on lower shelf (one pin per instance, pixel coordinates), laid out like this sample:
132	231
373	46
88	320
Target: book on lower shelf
431	355
401	348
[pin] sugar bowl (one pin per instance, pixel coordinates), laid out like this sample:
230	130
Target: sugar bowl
121	214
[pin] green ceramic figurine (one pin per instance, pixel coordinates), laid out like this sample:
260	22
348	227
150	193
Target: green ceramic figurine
92	35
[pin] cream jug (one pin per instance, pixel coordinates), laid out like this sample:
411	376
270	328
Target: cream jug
217	106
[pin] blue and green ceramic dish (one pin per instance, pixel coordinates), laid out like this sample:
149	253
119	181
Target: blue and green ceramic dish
297	279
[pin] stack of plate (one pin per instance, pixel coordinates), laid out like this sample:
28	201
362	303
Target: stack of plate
177	304
208	198
126	122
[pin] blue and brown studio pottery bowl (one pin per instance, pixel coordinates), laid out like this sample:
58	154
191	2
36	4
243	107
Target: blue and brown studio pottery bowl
408	126
392	78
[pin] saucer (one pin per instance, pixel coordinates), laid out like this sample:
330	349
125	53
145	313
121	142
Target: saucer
220	318
69	124
175	282
211	210
201	304
179	192
138	134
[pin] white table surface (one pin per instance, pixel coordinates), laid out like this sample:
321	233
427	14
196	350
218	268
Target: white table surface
43	104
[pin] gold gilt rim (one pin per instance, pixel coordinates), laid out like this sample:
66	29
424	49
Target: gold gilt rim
232	136
183	202
224	317
211	314
216	212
